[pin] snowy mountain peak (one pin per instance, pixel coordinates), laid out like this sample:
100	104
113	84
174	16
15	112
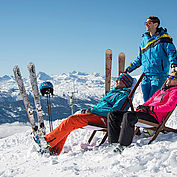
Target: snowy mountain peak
43	76
5	78
87	89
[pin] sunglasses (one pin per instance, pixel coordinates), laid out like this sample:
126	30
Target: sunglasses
171	77
148	22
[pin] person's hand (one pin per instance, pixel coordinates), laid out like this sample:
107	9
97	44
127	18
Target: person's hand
145	108
126	70
88	110
174	67
139	107
83	111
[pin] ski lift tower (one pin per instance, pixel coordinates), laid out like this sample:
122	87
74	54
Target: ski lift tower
71	101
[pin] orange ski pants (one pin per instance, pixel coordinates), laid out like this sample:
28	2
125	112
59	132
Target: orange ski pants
56	139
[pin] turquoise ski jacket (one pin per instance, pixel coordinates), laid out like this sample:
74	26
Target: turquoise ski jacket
156	54
113	100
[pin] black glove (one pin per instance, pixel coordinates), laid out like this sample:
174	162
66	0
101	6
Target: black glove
126	70
139	107
83	111
145	108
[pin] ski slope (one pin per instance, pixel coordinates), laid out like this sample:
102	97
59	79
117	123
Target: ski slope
19	158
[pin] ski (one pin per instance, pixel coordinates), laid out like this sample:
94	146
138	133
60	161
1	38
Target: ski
35	90
121	62
19	80
108	67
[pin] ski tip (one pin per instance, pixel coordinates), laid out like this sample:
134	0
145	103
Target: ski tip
16	69
108	51
31	67
30	63
121	54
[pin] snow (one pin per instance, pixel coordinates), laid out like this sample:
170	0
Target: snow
10	129
19	157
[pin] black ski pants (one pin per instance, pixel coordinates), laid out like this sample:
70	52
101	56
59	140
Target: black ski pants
121	125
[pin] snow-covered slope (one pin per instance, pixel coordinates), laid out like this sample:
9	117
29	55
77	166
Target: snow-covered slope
18	157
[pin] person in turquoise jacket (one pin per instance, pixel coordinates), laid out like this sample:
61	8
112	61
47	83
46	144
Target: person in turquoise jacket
114	100
156	54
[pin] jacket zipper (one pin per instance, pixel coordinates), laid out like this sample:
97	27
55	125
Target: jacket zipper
162	65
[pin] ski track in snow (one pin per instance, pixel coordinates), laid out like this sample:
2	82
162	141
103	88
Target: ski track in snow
19	157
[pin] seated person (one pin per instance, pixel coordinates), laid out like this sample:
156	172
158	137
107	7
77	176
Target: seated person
113	100
154	110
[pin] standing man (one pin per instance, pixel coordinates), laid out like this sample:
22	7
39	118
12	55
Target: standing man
156	54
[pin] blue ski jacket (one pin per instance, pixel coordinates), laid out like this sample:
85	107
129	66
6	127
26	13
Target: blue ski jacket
156	54
113	100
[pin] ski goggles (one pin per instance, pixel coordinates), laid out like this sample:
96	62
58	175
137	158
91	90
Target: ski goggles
171	77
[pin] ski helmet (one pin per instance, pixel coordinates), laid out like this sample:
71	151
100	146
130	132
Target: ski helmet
46	88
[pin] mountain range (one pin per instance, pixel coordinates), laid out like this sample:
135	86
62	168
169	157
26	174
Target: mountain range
87	89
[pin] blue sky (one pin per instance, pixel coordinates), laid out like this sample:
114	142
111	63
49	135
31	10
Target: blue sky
61	36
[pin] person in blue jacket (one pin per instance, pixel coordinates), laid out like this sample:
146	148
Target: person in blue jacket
156	54
113	100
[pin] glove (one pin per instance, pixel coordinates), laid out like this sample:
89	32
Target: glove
126	70
83	111
174	67
142	108
139	107
145	108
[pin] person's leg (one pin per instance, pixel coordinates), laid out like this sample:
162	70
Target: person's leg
146	86
128	125
156	84
58	136
114	123
57	149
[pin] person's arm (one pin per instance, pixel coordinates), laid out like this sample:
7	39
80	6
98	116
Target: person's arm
111	107
119	103
171	52
136	63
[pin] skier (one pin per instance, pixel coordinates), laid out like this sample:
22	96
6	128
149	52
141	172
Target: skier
113	100
153	110
156	53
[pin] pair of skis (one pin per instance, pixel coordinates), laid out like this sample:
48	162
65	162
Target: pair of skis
108	67
40	128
